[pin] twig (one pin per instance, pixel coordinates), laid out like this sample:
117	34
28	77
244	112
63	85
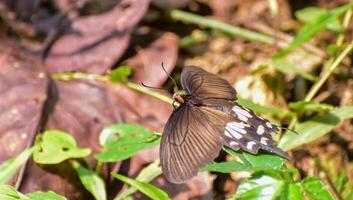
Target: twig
326	74
139	88
221	26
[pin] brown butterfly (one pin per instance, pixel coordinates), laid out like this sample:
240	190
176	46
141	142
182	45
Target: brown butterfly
206	119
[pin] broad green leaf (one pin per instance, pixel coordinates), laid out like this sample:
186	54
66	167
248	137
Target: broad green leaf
119	74
290	68
301	106
122	141
311	29
44	196
268	185
263	109
9	193
315	127
315	189
57	146
146	188
248	162
91	181
10	167
310	14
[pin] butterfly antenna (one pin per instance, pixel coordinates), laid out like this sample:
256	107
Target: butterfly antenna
291	130
175	85
147	86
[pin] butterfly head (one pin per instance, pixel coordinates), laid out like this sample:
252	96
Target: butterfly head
178	97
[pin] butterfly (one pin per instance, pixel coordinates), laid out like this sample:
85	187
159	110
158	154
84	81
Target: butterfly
208	118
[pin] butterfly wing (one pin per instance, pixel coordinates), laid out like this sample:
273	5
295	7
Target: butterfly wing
188	143
204	85
242	128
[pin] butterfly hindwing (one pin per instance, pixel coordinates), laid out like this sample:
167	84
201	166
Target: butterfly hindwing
188	143
203	85
243	129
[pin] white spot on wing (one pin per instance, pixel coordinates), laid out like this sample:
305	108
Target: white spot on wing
268	124
260	130
231	133
238	127
242	114
250	145
263	140
232	143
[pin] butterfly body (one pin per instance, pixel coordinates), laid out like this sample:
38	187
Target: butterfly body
207	118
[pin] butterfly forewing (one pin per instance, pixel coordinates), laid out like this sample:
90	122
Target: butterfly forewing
203	85
188	143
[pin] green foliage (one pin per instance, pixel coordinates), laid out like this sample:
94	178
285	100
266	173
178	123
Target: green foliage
120	74
268	185
315	189
9	193
57	146
248	162
310	14
315	127
146	188
121	141
291	69
309	30
91	181
10	167
147	174
301	106
281	185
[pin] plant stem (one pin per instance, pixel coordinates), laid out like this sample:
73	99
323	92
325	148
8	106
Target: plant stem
327	73
146	175
312	92
148	91
79	75
221	26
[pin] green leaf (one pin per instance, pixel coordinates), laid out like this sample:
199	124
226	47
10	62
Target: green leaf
146	188
315	189
301	106
119	74
263	109
267	185
7	192
10	167
291	69
147	174
57	146
248	162
122	141
91	181
310	14
44	196
315	128
341	182
311	29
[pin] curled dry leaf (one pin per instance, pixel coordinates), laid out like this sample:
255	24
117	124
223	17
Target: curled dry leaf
147	62
23	91
94	43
